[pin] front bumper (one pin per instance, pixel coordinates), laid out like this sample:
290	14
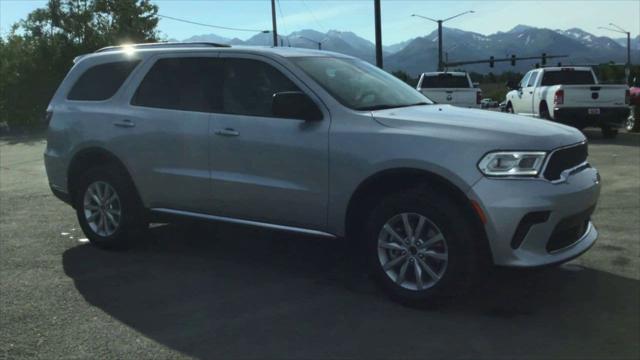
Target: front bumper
506	202
580	117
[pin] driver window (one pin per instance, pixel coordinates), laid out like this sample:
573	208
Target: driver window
532	79
249	86
525	80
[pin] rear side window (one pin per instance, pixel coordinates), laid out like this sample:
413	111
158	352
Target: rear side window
568	77
249	86
191	84
102	81
445	81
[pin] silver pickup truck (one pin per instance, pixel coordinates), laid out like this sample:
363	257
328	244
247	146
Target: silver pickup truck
570	95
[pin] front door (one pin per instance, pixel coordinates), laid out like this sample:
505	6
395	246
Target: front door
263	167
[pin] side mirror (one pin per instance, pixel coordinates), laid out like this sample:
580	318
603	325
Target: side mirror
295	105
476	85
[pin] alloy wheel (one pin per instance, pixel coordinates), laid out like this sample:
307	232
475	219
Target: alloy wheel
412	251
102	208
630	123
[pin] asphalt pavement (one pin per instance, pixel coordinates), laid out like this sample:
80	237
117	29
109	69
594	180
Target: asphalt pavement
220	291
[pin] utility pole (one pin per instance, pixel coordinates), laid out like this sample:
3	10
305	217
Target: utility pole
618	29
439	22
273	21
376	6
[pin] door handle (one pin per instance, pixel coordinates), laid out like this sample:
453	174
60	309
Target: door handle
226	132
124	123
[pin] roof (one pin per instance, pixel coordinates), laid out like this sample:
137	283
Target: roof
559	68
455	73
162	48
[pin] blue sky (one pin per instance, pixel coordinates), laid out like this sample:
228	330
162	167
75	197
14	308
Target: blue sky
357	16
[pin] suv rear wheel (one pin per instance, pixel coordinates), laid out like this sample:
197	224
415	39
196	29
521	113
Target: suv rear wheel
108	208
420	247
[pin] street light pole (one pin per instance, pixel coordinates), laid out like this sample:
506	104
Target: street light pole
620	30
376	7
440	66
439	22
319	43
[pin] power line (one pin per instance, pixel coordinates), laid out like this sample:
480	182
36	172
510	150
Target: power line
211	26
313	16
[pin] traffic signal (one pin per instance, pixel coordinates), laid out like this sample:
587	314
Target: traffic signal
491	62
513	60
544	59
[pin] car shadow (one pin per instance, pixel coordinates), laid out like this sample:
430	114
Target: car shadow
230	292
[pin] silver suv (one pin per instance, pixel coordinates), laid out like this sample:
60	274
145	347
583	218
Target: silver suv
316	143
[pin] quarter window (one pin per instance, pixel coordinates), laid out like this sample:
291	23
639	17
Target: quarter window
102	81
191	84
249	86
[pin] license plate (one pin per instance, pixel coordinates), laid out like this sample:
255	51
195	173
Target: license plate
593	111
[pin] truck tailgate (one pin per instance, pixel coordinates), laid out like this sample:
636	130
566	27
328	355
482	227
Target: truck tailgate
456	97
594	95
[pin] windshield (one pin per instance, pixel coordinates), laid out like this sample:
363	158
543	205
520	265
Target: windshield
445	81
567	77
360	85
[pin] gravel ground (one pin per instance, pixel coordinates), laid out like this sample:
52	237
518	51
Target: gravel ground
229	292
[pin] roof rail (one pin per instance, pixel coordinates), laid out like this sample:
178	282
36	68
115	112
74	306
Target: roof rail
161	45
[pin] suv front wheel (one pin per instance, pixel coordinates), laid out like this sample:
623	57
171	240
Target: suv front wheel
420	247
108	208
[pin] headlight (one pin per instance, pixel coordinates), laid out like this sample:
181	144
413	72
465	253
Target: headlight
512	163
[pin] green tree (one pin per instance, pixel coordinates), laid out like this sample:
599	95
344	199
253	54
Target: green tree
40	49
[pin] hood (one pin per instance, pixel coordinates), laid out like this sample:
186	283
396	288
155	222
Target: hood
499	130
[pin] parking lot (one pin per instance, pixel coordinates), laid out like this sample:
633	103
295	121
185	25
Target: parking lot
213	291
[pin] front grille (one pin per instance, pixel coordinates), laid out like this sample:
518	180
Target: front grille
569	230
564	159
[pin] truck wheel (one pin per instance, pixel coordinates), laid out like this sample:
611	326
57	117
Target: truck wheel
108	209
609	132
544	112
419	247
510	108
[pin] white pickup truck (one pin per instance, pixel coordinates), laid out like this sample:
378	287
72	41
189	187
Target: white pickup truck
454	88
572	96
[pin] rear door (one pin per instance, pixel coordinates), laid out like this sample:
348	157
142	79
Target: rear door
165	133
263	167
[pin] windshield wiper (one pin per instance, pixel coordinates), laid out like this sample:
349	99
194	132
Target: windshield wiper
389	106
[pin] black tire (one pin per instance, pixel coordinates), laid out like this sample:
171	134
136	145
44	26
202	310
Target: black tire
510	108
132	221
463	250
609	132
544	112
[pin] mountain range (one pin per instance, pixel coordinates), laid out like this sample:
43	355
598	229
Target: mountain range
421	53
